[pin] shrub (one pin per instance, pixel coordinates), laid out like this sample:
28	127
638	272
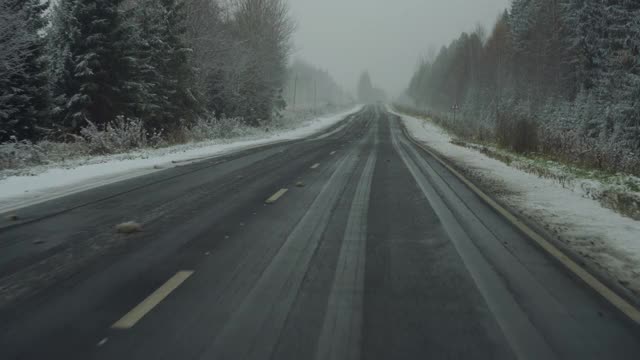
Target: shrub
214	128
516	132
118	136
16	154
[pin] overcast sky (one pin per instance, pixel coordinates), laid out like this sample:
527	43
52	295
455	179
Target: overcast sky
385	37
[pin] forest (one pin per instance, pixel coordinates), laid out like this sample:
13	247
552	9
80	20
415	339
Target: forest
367	92
73	68
308	87
558	78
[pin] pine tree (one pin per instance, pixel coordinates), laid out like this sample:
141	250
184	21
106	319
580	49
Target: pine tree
160	75
175	65
365	88
23	97
305	78
143	24
13	49
588	18
262	28
88	69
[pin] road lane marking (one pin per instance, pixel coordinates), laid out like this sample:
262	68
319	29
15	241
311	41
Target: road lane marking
138	312
102	342
315	166
594	283
253	330
276	196
332	153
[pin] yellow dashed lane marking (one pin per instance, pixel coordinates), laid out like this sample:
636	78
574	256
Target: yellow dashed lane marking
138	312
276	196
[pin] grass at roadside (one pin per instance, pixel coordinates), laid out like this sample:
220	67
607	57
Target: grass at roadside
619	192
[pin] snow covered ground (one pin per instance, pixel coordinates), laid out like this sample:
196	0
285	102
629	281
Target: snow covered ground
55	180
603	238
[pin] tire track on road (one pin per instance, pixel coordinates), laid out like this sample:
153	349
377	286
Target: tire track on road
341	332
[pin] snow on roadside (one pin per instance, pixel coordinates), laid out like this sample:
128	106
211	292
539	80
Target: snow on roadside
598	235
85	173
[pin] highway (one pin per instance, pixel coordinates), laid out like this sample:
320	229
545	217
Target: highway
351	244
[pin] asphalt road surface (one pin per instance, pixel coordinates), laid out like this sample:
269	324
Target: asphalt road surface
350	244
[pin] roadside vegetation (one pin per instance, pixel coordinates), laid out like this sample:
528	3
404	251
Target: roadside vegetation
367	92
83	78
617	191
553	89
556	79
124	139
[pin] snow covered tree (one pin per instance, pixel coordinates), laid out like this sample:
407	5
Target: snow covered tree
566	72
23	98
587	18
88	68
174	64
365	87
141	22
367	93
160	77
262	29
162	61
212	46
313	86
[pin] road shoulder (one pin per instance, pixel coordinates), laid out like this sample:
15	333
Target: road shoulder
44	183
590	236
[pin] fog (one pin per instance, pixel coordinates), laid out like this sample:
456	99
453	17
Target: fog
386	37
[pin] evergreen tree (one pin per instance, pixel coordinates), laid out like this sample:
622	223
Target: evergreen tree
565	73
312	86
88	62
175	65
588	19
365	88
23	97
262	29
139	86
160	75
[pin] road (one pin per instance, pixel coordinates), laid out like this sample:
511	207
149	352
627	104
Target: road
350	244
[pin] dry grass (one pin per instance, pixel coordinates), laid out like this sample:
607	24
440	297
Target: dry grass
604	173
614	191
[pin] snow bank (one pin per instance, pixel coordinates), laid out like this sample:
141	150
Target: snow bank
600	236
85	173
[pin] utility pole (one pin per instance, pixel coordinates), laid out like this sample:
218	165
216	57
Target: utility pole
328	95
295	91
315	96
455	109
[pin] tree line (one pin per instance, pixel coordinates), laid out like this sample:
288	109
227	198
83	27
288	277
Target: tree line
309	87
166	62
558	77
367	92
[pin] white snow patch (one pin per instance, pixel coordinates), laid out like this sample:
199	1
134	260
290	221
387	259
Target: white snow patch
597	234
86	173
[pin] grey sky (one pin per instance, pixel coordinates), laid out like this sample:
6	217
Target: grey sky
384	36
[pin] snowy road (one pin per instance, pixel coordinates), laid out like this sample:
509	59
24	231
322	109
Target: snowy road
352	244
